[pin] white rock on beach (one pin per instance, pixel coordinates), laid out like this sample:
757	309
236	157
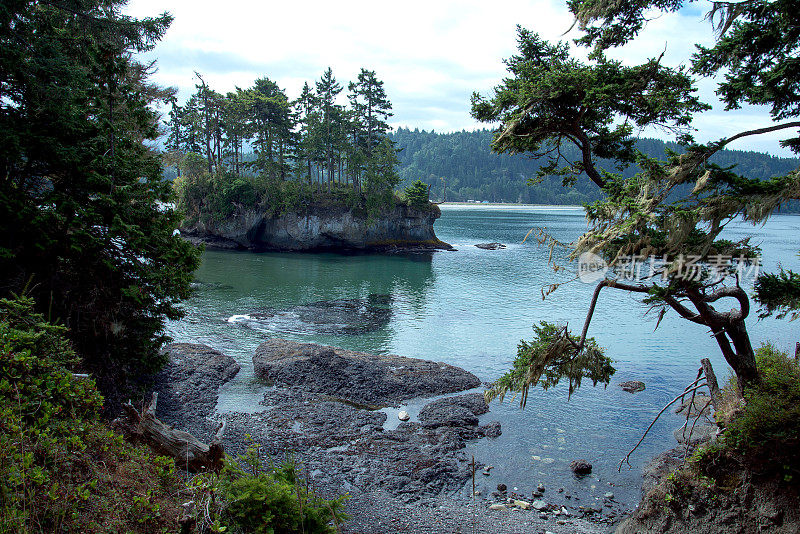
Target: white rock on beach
403	415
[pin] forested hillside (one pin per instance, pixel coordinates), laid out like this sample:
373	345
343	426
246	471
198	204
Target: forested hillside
464	163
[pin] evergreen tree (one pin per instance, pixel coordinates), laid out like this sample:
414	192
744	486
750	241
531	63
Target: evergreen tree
675	208
87	228
328	90
371	107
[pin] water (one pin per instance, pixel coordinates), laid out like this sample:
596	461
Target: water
470	308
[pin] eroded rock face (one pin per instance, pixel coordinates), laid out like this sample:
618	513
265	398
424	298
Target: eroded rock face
189	384
365	379
321	228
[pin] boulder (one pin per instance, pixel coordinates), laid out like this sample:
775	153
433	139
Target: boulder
454	411
700	434
694	406
370	380
580	467
632	386
490	246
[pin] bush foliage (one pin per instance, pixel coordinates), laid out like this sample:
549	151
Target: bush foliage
768	428
248	496
62	469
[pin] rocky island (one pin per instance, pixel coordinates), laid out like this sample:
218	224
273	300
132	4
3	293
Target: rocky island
320	226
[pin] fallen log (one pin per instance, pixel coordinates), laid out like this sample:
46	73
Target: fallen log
188	451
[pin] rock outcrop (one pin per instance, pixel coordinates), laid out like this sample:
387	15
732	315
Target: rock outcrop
318	227
365	379
189	384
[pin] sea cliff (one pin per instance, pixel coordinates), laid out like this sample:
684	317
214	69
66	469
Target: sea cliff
321	227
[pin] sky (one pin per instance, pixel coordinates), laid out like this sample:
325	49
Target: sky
430	54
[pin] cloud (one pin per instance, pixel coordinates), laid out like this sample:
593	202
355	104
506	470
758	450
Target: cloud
431	55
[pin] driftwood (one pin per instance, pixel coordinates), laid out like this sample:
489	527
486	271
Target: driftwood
188	451
711	378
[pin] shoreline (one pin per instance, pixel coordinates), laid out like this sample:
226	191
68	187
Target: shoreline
548	207
411	476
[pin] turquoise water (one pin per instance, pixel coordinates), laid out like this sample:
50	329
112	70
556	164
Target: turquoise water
470	308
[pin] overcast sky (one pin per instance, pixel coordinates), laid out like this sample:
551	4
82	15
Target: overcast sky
431	54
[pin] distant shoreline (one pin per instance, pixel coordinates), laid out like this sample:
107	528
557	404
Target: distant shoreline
570	207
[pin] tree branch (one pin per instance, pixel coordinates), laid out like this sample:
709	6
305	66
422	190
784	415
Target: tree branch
758	131
683	311
734	292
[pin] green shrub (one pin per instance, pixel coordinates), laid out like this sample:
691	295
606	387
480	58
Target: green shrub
249	497
61	468
767	429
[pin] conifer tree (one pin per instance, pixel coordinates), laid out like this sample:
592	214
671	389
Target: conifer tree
676	207
87	228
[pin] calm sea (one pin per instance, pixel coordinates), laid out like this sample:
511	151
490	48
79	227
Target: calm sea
470	308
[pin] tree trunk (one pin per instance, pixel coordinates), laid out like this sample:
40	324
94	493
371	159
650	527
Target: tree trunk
187	450
744	360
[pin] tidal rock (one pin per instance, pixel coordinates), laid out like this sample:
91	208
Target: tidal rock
525	505
497	506
540	488
580	467
462	410
365	379
608	495
490	246
189	383
403	415
539	505
338	316
632	386
491	430
502	488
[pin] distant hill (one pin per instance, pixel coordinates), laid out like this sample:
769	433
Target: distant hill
464	163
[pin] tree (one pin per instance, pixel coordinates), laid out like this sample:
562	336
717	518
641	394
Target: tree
371	106
416	194
87	229
674	209
327	91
